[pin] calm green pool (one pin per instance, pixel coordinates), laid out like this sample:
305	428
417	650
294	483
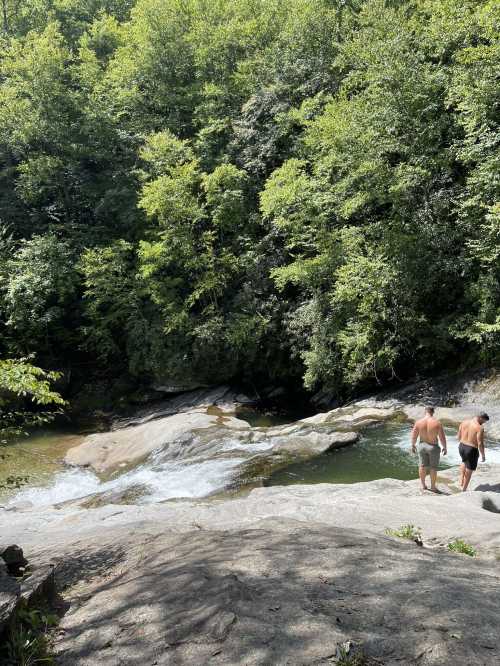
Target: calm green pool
382	452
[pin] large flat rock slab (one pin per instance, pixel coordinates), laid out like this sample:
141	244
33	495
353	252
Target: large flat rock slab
198	433
373	507
285	593
107	451
277	577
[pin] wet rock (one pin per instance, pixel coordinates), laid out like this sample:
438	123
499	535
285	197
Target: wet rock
197	430
105	452
355	415
312	443
340	439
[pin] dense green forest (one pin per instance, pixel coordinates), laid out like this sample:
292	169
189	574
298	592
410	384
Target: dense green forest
303	192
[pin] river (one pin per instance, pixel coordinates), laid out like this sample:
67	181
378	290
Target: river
382	451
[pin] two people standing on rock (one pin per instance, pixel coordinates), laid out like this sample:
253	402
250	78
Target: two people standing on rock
430	433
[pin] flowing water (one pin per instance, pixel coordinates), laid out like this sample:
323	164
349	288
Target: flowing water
38	458
202	468
194	471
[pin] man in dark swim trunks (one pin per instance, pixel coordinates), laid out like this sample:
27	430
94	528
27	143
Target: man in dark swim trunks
471	444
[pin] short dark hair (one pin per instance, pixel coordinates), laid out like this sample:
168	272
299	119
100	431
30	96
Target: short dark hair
484	416
429	409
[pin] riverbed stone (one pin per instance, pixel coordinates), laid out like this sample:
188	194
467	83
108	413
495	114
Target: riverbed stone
199	428
372	506
355	415
312	443
105	452
278	576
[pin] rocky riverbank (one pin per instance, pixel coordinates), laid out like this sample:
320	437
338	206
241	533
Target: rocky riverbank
278	577
210	412
283	575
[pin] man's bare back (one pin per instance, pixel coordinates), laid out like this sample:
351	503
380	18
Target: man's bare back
429	430
471	432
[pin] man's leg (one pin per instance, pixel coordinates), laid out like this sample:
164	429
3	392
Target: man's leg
434	474
462	474
422	472
467	476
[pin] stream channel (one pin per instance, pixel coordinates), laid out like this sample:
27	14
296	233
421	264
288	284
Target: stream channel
382	451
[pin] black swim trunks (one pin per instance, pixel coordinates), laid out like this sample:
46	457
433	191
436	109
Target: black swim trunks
469	455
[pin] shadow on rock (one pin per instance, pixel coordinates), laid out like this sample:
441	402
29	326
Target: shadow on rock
284	594
488	487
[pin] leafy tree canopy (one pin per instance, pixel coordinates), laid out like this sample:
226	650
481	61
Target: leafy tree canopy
304	192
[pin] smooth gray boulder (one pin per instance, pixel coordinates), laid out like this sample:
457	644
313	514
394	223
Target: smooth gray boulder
311	443
354	415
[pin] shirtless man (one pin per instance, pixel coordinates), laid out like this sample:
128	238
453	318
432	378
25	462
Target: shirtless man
471	443
428	431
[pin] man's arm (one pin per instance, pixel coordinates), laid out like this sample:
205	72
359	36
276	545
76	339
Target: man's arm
414	437
459	433
442	439
480	441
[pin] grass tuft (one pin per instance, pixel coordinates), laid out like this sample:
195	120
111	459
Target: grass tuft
460	546
346	657
409	532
